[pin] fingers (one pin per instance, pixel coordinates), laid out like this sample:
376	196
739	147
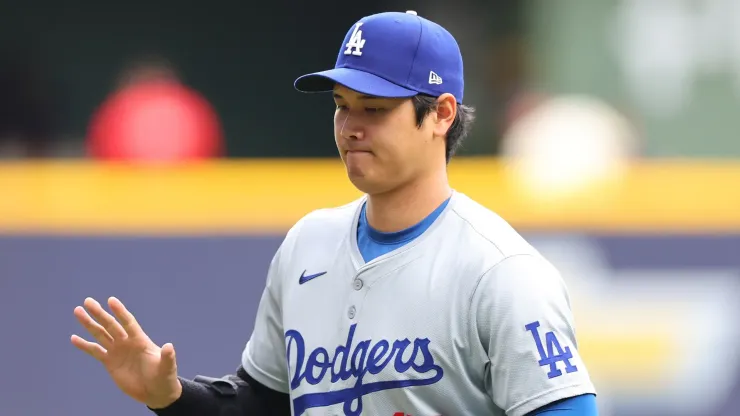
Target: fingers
127	320
168	362
106	320
94	328
95	350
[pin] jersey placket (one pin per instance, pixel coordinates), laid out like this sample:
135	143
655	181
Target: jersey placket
358	289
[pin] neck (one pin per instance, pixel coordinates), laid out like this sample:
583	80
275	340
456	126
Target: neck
409	204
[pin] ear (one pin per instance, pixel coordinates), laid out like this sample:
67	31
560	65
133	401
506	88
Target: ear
444	114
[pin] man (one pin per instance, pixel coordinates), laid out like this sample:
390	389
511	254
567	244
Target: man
412	300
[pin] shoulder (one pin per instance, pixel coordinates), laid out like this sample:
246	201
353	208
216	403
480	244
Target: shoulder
513	260
322	228
473	244
486	233
327	221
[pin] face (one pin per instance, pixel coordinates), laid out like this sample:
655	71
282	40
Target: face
380	143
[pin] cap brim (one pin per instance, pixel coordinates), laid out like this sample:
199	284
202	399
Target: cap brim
354	79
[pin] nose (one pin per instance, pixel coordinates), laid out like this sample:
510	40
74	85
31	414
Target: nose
350	128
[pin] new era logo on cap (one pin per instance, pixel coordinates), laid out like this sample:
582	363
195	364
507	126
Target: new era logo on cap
394	55
434	78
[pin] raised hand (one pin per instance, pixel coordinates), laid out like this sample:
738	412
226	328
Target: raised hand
139	367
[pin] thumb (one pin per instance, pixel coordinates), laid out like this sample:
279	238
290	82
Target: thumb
167	362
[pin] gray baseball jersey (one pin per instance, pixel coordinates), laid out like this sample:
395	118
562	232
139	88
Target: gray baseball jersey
467	319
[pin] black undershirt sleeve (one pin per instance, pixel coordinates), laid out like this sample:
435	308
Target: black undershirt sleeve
232	395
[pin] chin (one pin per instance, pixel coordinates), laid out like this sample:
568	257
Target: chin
364	174
369	184
360	180
359	169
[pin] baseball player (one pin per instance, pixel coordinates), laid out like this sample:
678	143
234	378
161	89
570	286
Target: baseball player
413	300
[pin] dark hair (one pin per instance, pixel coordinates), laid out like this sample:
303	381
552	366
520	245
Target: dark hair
425	104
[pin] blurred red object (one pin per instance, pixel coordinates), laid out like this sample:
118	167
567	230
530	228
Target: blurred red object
155	121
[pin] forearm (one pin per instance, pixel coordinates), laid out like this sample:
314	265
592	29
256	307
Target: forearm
238	395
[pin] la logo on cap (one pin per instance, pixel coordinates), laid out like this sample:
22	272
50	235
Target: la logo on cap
356	42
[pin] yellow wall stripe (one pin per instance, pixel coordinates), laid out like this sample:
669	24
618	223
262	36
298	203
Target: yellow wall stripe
270	195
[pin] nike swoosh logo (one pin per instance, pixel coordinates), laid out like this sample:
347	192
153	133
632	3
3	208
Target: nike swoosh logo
305	278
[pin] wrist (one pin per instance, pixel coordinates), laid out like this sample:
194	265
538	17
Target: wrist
169	400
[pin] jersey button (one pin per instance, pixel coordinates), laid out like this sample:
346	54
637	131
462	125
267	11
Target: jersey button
357	284
351	312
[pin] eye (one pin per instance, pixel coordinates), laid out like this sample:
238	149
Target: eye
341	107
374	110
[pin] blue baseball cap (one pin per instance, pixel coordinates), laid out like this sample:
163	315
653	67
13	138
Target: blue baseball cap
394	55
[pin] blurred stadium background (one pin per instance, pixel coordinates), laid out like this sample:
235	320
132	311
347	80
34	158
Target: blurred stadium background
157	151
